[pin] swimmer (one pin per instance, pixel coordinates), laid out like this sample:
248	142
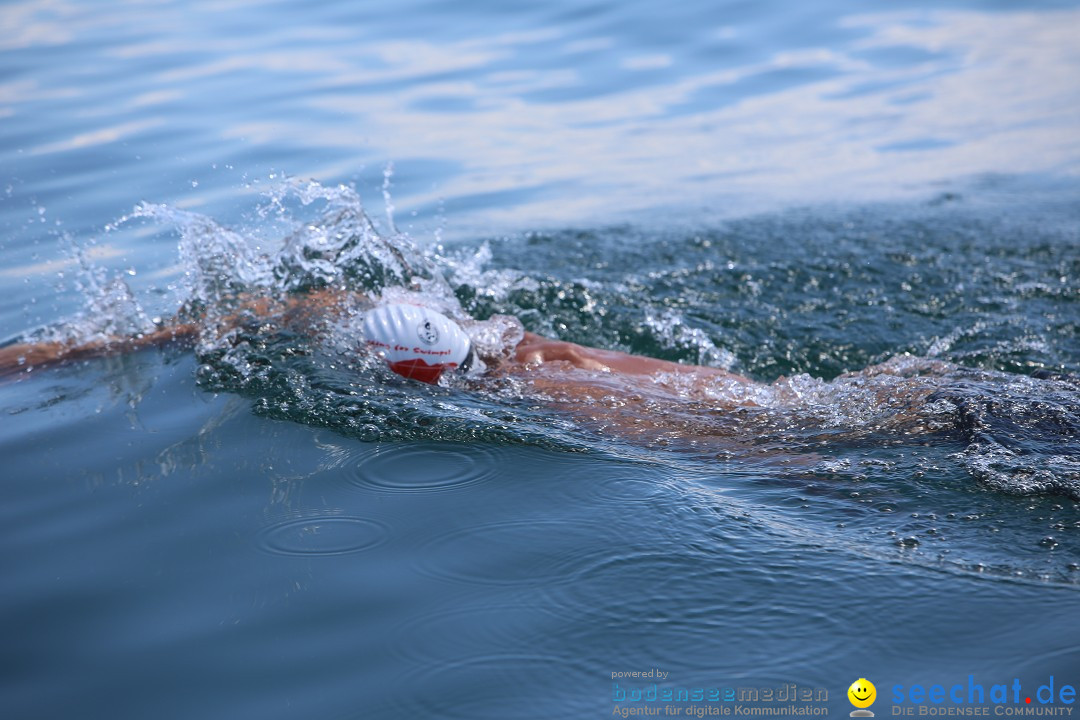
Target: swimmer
646	401
442	343
638	397
641	399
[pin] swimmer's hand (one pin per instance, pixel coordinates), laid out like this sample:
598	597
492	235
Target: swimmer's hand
536	350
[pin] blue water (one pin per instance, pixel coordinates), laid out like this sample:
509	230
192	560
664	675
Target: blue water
262	526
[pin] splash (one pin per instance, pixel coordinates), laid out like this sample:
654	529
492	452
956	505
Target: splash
675	333
111	309
343	248
1022	432
311	369
218	264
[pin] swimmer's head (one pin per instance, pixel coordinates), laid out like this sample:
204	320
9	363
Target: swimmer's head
417	342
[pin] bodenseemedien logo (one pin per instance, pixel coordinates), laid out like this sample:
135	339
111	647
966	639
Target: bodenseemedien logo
862	694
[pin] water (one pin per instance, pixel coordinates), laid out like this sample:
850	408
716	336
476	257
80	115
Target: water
266	524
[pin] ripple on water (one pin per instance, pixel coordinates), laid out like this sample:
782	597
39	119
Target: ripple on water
520	552
685	607
448	634
321	535
623	489
421	467
491	686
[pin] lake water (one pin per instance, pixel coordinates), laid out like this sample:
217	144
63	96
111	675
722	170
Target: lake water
268	525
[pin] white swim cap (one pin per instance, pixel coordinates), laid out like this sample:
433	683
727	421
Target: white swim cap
417	342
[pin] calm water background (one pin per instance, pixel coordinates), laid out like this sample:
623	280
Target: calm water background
778	188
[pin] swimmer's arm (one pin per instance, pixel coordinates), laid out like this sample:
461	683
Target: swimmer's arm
632	396
536	350
298	311
24	357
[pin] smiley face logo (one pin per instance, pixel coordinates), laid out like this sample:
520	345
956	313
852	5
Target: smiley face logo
862	693
427	333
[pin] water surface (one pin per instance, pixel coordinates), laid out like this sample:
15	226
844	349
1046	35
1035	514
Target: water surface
268	525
